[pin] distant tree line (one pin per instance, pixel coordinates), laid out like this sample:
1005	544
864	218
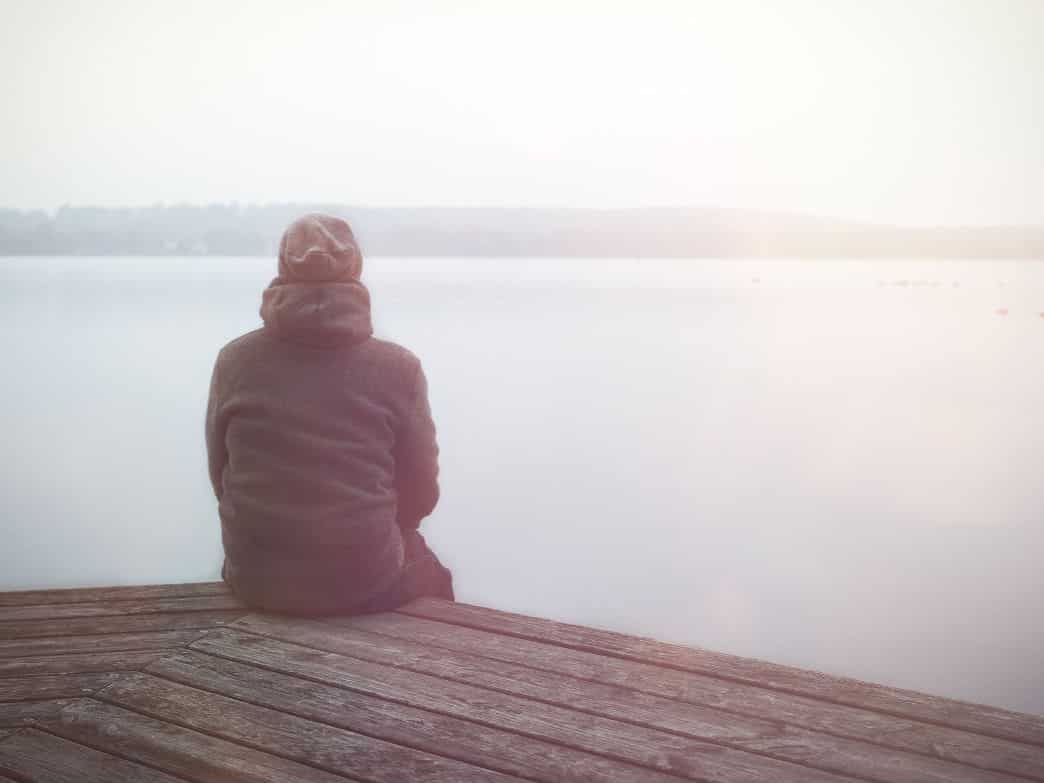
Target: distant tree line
254	229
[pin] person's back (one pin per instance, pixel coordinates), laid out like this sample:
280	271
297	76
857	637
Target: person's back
321	445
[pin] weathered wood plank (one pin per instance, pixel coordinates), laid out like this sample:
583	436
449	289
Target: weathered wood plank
317	744
659	750
60	686
79	626
121	660
37	756
964	747
126	593
180	751
62	645
201	603
14	714
894	701
485	746
767	737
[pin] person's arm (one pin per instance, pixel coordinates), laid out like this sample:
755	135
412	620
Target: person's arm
217	455
416	458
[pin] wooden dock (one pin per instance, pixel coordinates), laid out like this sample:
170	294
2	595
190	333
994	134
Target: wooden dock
183	683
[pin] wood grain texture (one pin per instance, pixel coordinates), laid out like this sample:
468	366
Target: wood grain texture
80	626
37	756
485	746
894	701
190	754
448	692
658	750
988	753
201	603
767	737
317	744
121	660
60	686
62	645
96	594
15	714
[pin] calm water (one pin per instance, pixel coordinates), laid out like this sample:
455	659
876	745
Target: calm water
833	464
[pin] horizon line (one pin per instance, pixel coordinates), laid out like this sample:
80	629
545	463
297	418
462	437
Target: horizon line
849	222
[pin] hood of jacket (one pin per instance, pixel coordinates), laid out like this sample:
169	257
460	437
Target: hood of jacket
321	313
317	298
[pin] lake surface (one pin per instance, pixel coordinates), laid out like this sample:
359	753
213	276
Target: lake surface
831	464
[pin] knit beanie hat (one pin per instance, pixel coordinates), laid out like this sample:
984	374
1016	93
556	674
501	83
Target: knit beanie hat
319	248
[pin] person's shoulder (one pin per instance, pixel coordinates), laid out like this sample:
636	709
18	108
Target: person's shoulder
393	352
394	361
244	343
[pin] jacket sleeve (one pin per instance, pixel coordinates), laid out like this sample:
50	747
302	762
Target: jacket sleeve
416	458
217	454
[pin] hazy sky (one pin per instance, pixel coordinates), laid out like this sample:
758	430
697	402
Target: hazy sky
910	111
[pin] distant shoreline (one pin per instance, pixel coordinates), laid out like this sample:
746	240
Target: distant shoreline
254	230
503	257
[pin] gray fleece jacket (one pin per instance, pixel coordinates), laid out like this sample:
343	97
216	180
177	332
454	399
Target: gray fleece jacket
320	439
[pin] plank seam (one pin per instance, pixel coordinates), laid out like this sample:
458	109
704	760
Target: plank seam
118	671
163	655
80	693
840	775
31	722
459	717
9	622
726	678
57	698
67	674
48	730
15	623
10	774
364	733
50	654
15	603
55	654
100	696
68	653
726	710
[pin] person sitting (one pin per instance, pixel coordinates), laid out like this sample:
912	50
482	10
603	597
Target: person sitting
321	445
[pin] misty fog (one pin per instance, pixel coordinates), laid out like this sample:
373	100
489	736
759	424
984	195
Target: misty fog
833	464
